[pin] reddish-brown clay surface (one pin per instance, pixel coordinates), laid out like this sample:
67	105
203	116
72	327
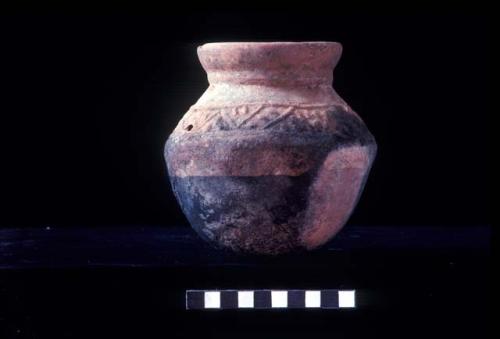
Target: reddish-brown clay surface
270	159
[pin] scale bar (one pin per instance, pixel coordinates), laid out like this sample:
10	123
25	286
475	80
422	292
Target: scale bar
270	299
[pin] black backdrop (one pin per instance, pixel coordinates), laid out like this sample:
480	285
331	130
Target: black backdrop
89	100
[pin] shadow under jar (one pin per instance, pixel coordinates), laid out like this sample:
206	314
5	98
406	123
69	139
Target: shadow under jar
270	159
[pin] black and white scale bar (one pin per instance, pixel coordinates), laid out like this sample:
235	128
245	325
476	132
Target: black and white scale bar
269	299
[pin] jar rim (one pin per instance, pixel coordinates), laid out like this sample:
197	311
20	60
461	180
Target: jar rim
266	43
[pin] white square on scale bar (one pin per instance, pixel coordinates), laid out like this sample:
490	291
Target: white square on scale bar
279	299
313	299
347	299
212	299
245	299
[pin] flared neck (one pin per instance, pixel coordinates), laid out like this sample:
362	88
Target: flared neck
270	63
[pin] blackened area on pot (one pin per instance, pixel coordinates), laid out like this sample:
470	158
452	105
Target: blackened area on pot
351	129
245	153
260	214
252	191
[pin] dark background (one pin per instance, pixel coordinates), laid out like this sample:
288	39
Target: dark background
89	100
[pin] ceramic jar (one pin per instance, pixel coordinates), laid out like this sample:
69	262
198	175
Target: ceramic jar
269	159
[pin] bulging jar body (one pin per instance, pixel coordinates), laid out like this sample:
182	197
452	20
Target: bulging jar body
270	159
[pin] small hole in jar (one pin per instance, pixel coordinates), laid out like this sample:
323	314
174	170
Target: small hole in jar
189	127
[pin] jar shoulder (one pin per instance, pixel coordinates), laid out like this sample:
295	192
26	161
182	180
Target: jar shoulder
292	118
